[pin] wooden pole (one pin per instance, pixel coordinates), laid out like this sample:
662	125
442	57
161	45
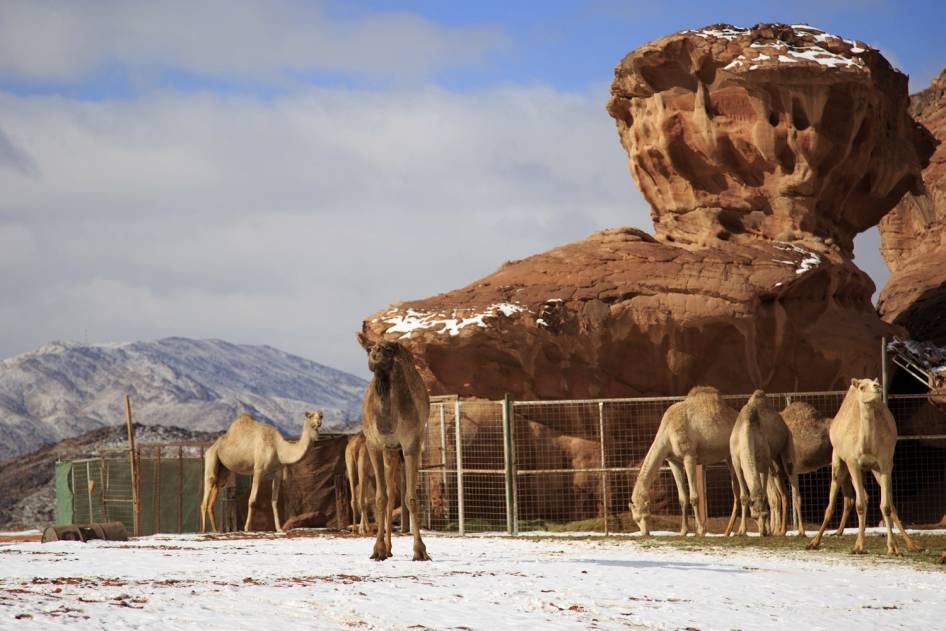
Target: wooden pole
157	492
133	463
180	489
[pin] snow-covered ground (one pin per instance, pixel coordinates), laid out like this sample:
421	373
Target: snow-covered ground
328	582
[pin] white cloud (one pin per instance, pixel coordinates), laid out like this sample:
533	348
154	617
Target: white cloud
266	40
285	221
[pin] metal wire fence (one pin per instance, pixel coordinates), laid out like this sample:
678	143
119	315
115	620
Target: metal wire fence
570	465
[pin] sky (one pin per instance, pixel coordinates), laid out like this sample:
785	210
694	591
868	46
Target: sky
271	172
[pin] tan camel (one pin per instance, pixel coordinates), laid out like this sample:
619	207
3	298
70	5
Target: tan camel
863	436
760	443
253	448
812	451
692	432
394	414
361	482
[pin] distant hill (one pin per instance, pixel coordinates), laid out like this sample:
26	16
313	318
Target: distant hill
64	389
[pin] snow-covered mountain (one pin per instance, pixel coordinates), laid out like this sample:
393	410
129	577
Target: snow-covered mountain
63	389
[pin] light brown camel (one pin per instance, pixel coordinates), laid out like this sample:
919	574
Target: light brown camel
692	432
812	451
361	482
394	414
863	436
760	443
253	448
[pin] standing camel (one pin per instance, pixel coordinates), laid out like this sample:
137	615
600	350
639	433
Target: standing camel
863	436
253	448
394	414
760	443
692	432
361	483
812	451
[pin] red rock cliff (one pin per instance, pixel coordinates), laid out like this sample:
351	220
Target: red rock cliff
913	235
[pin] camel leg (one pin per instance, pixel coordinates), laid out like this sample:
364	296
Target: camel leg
743	495
889	511
681	495
376	455
836	468
363	527
689	464
353	488
796	504
391	471
847	490
254	490
735	499
210	486
277	485
781	507
775	502
860	505
411	462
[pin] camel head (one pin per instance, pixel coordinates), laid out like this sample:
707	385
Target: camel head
381	355
640	510
314	423
867	389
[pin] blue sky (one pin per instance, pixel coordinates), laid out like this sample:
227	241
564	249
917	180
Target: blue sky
240	169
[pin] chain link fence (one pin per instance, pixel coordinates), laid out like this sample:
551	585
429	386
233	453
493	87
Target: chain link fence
517	466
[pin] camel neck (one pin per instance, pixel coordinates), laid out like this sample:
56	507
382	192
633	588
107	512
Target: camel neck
650	466
291	453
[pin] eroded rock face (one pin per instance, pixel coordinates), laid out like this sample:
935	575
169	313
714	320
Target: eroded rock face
620	314
913	235
762	152
774	130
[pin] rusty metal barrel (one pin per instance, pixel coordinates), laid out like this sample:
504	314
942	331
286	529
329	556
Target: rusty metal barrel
109	531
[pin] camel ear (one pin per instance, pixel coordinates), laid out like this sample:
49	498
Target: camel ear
853	382
364	341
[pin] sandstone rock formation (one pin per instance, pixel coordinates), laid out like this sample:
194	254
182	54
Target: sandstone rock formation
763	152
770	131
913	235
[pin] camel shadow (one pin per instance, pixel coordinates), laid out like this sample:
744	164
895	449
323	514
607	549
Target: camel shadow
667	565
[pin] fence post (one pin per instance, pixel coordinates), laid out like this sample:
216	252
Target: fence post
883	366
509	457
459	446
180	489
604	470
133	461
156	504
443	463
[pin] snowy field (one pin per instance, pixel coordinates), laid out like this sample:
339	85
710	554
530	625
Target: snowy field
328	582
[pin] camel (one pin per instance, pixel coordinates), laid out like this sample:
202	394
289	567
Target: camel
394	414
361	483
692	432
863	436
760	443
253	448
812	452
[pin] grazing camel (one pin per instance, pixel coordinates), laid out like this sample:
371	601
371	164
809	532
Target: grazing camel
361	483
394	413
760	443
863	436
812	452
692	432
253	448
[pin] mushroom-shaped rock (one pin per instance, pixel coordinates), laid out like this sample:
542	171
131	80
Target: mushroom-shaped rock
770	131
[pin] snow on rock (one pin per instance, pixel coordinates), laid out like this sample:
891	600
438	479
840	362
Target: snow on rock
808	262
412	320
328	582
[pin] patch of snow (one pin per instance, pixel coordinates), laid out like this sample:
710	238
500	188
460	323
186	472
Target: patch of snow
541	322
328	582
413	320
809	260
